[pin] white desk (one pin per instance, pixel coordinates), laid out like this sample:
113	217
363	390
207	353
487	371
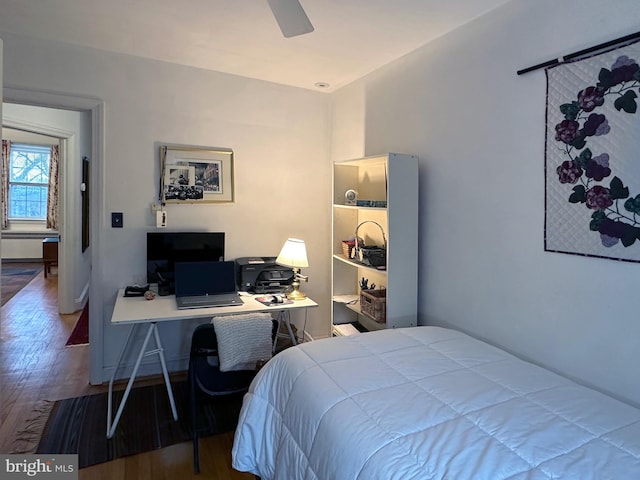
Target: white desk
136	312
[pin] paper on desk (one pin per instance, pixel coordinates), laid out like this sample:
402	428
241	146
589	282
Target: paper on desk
348	299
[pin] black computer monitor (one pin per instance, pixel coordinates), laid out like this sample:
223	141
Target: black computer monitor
164	249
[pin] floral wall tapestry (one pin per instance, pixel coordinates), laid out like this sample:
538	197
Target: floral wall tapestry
592	161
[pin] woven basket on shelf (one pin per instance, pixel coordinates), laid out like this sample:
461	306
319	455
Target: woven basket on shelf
373	304
347	248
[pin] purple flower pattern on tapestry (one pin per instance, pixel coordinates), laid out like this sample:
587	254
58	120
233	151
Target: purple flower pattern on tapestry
598	167
591	173
567	131
598	198
590	98
569	172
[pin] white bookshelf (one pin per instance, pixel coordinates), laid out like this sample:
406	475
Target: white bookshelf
390	182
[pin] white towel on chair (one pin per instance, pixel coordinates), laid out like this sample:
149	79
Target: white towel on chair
243	340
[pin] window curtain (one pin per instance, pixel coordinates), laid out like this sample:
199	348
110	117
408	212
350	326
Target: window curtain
6	149
52	198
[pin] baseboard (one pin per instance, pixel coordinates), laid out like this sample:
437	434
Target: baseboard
83	299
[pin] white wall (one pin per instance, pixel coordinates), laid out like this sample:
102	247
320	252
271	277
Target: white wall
282	171
22	249
479	131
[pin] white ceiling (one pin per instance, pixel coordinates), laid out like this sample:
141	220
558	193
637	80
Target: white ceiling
351	37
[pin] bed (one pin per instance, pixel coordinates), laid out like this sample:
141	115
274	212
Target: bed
427	403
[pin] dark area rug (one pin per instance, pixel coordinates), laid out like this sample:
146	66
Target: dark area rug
15	276
80	333
78	425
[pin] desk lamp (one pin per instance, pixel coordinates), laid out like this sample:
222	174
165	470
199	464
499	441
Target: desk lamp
294	255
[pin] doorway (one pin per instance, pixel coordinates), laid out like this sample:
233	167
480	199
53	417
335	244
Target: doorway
65	128
23	242
93	108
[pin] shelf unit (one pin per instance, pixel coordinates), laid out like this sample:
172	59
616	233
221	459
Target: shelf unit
390	179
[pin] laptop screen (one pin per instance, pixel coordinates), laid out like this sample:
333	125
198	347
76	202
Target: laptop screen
204	278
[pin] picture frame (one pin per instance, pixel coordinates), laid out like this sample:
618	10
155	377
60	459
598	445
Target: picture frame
191	174
84	195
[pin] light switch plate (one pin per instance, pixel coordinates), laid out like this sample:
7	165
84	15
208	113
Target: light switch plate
116	220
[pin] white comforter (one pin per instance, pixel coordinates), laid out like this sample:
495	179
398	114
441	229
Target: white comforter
427	403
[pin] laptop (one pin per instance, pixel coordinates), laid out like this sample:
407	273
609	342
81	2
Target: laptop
206	284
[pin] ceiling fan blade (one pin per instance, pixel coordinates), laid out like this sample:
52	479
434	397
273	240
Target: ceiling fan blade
291	17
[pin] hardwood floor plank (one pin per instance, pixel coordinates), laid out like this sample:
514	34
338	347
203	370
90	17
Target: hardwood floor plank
35	366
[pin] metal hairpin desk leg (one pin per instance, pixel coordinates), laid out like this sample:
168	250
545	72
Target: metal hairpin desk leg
153	329
283	316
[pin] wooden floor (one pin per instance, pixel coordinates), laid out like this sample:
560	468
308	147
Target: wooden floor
35	366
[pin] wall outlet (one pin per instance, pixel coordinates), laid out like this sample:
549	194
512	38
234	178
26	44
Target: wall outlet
161	219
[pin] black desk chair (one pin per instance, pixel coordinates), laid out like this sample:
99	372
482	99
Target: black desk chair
206	380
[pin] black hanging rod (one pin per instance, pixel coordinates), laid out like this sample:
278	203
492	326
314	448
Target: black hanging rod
580	53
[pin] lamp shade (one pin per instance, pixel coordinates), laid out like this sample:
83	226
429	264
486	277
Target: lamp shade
293	254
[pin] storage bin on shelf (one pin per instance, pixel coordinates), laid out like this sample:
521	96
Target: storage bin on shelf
372	256
373	304
347	248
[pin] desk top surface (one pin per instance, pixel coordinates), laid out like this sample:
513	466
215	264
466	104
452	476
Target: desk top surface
138	310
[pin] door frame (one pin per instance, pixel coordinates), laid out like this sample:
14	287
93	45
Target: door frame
96	107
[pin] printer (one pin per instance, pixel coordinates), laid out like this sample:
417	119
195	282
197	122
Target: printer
262	275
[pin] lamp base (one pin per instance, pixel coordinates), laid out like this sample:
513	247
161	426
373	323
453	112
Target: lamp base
296	294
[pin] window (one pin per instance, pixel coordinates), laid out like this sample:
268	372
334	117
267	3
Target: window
28	181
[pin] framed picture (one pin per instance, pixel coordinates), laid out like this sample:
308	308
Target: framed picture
196	174
84	195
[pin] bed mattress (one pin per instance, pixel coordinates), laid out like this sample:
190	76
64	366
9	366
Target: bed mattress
427	403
